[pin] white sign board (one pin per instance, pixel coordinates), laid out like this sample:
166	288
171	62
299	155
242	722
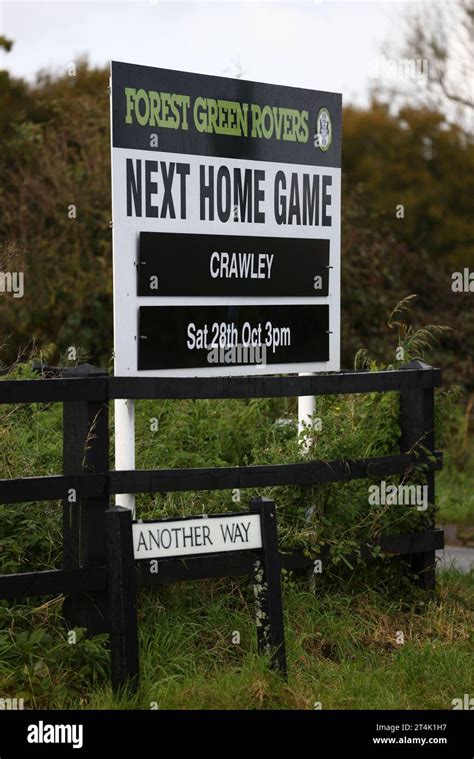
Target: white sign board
188	537
226	202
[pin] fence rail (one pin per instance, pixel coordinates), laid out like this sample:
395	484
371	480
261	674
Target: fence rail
91	579
213	478
91	575
104	388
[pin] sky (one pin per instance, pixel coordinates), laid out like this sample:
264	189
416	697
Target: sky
318	44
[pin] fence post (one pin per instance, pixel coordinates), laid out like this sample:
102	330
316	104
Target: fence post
417	423
122	598
85	450
267	585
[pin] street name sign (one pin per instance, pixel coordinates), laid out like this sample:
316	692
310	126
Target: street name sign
195	536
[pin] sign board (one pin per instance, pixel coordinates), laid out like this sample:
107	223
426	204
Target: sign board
193	536
226	225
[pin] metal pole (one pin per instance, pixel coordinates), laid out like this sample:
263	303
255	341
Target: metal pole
125	446
306	410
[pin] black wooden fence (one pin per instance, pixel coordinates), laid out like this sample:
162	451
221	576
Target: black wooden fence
87	482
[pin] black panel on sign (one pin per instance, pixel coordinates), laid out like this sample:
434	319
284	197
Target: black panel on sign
212	265
178	337
204	115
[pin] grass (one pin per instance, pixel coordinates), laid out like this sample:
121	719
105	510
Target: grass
341	644
454	484
341	640
455	493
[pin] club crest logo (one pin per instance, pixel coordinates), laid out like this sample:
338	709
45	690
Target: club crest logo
323	136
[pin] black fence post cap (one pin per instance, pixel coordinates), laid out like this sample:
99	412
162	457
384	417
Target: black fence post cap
262	504
117	510
416	363
83	370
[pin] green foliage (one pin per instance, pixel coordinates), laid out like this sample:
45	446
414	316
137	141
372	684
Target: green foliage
39	665
5	43
454	483
377	271
193	432
55	153
339	515
189	433
344	632
413	342
416	159
341	648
